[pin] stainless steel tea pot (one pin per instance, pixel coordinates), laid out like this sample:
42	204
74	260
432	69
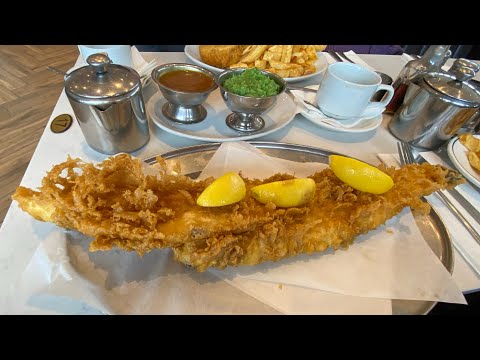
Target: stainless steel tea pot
443	103
108	104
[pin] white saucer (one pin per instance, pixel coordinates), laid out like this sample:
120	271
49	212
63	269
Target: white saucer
458	154
214	128
368	123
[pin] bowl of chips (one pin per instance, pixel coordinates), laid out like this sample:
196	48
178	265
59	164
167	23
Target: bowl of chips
291	62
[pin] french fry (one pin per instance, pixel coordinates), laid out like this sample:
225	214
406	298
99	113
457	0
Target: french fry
320	47
473	145
287	54
254	53
474	160
238	65
260	64
283	60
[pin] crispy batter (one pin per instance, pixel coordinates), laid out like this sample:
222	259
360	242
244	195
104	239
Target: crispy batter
334	219
120	206
221	56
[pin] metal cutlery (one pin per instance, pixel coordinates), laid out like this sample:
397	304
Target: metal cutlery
406	157
311	104
56	71
339	56
335	56
289	88
342	55
292	87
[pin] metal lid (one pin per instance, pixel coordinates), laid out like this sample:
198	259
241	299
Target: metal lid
101	81
455	88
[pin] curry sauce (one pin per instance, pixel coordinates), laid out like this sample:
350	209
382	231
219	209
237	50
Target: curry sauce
186	80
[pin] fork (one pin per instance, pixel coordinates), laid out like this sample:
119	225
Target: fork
406	157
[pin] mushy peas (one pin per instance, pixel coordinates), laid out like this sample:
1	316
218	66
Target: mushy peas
186	81
252	82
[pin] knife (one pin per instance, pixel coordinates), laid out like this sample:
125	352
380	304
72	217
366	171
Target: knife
342	54
465	204
335	55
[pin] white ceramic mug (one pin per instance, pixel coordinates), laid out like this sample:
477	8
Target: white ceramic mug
347	89
119	54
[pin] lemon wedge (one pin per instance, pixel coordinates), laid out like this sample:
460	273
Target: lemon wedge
360	175
286	193
227	189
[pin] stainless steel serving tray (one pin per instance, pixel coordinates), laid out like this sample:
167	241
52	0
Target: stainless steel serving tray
194	158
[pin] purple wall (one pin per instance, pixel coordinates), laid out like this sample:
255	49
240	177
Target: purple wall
368	49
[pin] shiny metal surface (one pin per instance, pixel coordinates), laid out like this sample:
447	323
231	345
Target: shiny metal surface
335	56
293	87
465	204
436	111
101	81
194	158
344	56
245	122
184	107
455	87
108	103
460	63
247	109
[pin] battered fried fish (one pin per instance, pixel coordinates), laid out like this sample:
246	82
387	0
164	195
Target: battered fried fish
221	56
120	206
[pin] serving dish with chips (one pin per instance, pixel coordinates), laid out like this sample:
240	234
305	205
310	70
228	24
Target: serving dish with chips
292	62
458	153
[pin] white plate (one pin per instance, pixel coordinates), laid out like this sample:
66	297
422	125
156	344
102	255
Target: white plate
193	54
458	154
214	128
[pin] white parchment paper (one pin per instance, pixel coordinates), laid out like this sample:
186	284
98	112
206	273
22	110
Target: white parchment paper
391	262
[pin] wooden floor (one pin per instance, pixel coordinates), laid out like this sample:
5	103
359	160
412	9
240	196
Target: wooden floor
28	94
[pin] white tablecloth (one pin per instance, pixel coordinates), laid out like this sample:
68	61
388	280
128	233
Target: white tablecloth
16	247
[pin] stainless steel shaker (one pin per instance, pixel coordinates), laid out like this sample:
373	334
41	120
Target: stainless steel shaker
443	103
108	104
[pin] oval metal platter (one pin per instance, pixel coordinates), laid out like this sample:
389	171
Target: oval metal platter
194	158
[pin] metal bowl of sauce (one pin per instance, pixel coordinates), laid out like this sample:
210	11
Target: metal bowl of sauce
185	87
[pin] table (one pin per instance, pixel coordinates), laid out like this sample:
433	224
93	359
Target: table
16	248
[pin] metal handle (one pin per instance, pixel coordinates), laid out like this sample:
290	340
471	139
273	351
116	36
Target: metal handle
462	73
292	87
463	69
100	62
459	63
